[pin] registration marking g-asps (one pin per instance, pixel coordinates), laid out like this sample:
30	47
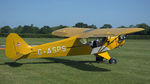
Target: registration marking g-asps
52	50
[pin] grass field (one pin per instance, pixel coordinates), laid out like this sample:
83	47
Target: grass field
133	67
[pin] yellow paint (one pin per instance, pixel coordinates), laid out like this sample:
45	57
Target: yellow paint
71	31
104	55
16	47
110	43
67	47
54	49
121	43
64	31
113	42
108	32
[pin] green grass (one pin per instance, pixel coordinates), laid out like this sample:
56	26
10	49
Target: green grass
133	67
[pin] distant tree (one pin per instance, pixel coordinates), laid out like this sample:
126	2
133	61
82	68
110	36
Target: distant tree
61	26
58	27
26	29
149	31
6	29
45	30
18	29
30	29
32	25
92	26
145	26
81	25
122	27
132	26
35	29
106	26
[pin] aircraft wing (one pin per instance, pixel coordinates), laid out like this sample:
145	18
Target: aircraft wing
88	32
69	31
110	32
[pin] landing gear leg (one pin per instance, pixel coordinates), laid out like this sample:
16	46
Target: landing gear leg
113	61
101	56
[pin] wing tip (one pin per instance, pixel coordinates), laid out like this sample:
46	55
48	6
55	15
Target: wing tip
141	29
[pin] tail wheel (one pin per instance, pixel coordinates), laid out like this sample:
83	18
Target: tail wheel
113	61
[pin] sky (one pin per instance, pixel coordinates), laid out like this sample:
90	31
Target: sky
69	12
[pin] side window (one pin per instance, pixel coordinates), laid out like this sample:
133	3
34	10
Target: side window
83	41
98	42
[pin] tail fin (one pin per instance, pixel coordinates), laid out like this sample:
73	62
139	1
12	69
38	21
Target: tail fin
16	47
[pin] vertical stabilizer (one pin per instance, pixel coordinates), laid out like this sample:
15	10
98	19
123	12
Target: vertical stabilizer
16	47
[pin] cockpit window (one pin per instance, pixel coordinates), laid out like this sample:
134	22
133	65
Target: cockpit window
83	41
93	42
98	42
121	38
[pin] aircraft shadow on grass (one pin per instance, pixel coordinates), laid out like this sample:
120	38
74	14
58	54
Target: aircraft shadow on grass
81	65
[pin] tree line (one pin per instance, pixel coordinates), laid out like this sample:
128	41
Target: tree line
31	29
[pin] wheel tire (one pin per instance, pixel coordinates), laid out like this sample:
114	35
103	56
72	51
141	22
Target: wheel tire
113	61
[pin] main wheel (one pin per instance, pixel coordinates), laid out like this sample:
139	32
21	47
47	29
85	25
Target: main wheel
113	61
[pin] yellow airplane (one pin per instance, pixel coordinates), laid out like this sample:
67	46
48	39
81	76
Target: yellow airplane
78	43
